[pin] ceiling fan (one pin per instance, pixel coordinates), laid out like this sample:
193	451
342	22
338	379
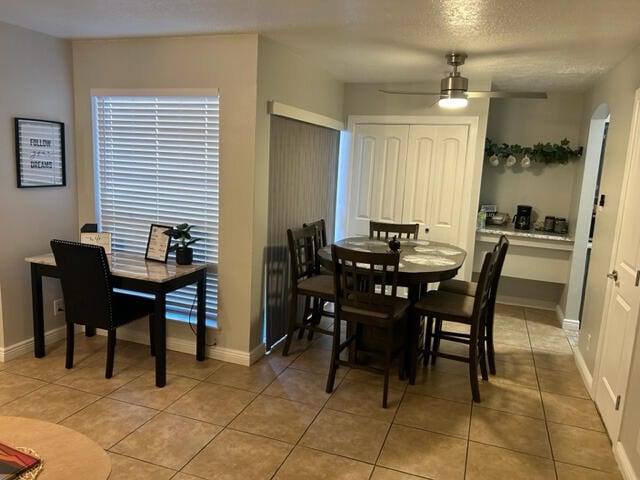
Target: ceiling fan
454	91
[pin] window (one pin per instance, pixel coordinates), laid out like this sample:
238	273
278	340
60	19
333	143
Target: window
157	161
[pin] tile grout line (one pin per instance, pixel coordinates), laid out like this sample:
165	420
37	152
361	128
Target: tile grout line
544	413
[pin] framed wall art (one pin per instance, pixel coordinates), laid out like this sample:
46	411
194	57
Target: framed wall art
40	153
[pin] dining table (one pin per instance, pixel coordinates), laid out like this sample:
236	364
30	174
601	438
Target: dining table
422	262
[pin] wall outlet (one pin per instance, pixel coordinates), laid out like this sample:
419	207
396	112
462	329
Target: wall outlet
58	306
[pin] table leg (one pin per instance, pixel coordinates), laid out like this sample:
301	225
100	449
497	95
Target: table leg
201	329
38	312
160	335
89	331
411	353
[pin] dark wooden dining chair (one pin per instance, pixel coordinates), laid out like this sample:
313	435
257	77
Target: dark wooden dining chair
306	281
469	288
377	313
383	230
89	298
441	306
318	308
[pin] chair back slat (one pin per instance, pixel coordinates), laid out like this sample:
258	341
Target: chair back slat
86	283
302	252
321	232
383	230
502	246
365	280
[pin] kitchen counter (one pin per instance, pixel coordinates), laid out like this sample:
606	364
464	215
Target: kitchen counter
509	231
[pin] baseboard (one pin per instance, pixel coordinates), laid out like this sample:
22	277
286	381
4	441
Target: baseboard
26	346
587	378
216	352
569	324
624	464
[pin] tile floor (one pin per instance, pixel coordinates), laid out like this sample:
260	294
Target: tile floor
215	420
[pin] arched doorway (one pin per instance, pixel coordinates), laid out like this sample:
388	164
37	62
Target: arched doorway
587	213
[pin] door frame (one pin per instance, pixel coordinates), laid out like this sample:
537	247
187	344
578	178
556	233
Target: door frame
472	178
634	143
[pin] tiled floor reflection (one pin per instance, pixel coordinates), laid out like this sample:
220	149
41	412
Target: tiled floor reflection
274	420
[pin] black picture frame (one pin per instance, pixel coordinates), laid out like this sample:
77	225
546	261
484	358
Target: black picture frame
40	153
158	243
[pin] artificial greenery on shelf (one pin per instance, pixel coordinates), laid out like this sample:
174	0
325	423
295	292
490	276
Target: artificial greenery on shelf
546	153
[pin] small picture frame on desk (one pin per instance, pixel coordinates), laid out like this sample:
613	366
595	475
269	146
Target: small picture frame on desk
102	239
158	243
40	153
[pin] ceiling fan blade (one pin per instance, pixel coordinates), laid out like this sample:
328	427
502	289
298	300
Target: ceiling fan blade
477	94
408	92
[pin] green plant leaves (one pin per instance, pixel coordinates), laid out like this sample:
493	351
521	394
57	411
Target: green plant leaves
546	153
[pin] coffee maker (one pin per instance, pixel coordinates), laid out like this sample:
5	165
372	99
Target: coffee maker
522	218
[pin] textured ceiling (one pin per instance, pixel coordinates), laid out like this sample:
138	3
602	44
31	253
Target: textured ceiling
517	44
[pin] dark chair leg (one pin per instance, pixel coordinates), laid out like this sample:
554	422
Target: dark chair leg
427	341
387	365
152	337
335	354
482	358
489	342
111	348
436	341
293	313
305	316
316	314
70	343
473	372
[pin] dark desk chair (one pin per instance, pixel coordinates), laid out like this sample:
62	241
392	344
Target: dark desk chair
382	230
308	282
366	287
89	298
469	288
445	306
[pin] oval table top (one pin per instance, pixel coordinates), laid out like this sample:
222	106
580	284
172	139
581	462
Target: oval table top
421	261
65	452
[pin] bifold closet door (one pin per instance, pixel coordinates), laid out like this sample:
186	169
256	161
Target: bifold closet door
303	164
434	193
376	175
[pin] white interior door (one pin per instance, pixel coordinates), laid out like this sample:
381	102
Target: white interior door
377	176
621	316
436	168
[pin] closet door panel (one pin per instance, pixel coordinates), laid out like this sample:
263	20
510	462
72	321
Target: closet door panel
377	175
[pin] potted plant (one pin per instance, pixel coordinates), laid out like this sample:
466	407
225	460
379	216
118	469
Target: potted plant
184	253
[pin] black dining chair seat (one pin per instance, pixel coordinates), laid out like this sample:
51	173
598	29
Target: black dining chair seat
89	297
456	307
460	287
318	285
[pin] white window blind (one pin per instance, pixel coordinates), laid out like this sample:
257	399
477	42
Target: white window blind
157	161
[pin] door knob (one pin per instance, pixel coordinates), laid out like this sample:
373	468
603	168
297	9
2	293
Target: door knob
613	275
426	229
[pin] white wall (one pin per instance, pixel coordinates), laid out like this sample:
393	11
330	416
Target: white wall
287	78
548	188
617	90
36	83
226	62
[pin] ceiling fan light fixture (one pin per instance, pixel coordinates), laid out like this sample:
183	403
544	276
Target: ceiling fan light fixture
453	99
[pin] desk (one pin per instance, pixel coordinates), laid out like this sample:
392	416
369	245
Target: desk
132	272
65	452
421	262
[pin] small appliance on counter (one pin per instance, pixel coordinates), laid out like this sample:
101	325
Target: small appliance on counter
522	218
561	226
498	218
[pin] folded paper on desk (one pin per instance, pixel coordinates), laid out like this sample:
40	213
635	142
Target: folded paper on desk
13	462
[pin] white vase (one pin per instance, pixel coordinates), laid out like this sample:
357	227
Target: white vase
494	160
525	162
511	161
